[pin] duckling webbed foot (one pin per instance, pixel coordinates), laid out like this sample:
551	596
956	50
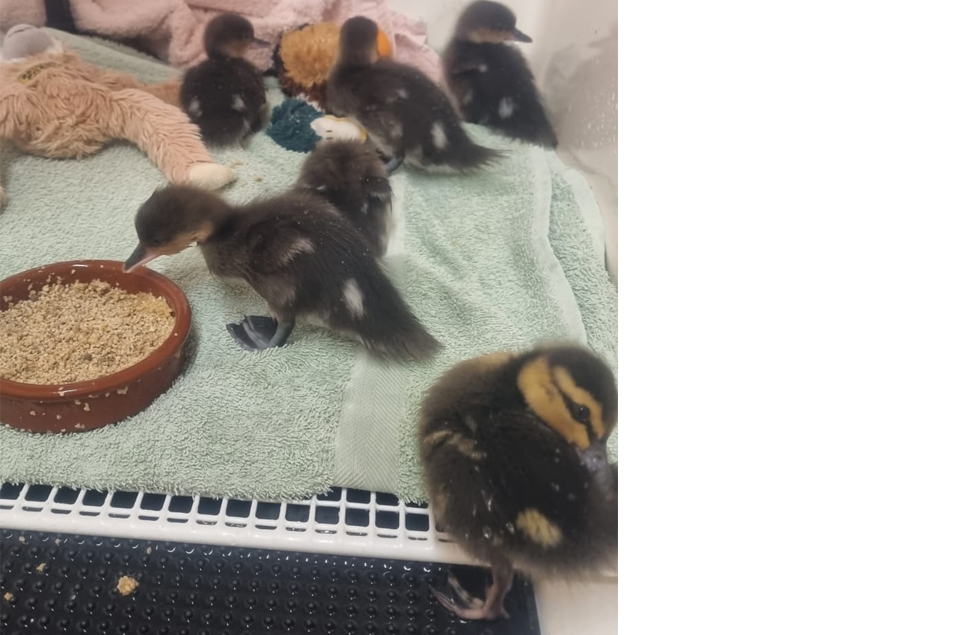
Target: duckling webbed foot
392	164
257	332
467	607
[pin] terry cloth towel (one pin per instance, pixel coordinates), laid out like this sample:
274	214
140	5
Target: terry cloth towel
174	29
494	261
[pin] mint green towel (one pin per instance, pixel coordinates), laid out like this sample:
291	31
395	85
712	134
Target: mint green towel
495	261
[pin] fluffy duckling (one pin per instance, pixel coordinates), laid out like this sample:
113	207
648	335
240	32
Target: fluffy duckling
405	113
225	95
515	465
301	255
352	177
490	79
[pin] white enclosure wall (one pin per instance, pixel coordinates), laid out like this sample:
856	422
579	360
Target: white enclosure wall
574	58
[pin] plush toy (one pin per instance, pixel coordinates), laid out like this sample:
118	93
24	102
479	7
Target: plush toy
304	56
331	128
291	125
54	105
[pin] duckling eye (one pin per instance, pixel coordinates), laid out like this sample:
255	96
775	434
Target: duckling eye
582	414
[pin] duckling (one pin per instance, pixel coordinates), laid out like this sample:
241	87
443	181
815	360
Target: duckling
352	177
301	255
490	80
515	466
225	95
406	114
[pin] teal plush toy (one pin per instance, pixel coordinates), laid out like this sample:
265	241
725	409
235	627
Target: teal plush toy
291	125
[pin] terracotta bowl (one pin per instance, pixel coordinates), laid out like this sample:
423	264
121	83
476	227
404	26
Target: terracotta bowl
87	405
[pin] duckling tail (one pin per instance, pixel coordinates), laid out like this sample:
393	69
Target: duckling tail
411	341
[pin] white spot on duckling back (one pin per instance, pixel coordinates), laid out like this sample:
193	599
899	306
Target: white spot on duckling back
237	103
506	108
194	108
353	298
439	135
403	93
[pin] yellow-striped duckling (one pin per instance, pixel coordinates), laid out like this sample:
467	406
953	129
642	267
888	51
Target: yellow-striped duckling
515	466
489	78
406	114
299	253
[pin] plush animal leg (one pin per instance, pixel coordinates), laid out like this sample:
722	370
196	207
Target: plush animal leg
168	91
167	136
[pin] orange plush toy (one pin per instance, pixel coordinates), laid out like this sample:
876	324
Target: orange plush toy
54	105
305	56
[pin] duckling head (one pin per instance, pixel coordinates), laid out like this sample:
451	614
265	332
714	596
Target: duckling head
228	35
574	393
491	22
172	219
359	42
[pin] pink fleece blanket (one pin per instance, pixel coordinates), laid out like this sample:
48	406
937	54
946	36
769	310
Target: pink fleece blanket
173	29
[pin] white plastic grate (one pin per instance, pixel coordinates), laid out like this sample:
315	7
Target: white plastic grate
344	522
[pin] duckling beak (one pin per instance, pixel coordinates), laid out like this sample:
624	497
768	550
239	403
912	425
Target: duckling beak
519	36
141	256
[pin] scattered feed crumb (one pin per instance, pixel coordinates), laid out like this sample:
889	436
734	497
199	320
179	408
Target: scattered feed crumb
149	550
57	541
87	407
58	417
235	164
123	391
78	332
257	179
41	567
126	585
22	539
33	413
8	596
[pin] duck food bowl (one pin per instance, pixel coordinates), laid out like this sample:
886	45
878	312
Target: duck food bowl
87	405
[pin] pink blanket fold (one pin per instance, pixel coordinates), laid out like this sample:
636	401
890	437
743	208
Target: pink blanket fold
173	29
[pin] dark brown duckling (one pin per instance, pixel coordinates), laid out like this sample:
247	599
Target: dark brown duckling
489	78
513	449
351	176
225	95
406	114
299	253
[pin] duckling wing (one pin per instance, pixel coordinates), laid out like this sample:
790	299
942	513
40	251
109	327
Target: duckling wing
506	485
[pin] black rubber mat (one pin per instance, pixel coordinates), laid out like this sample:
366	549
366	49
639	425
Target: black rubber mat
58	583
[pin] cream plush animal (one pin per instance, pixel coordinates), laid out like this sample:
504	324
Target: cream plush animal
54	105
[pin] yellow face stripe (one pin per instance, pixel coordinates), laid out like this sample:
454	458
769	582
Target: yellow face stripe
543	397
580	396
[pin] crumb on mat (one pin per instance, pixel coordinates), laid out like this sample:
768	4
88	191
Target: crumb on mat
126	585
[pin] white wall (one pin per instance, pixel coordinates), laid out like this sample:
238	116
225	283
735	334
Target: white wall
574	58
